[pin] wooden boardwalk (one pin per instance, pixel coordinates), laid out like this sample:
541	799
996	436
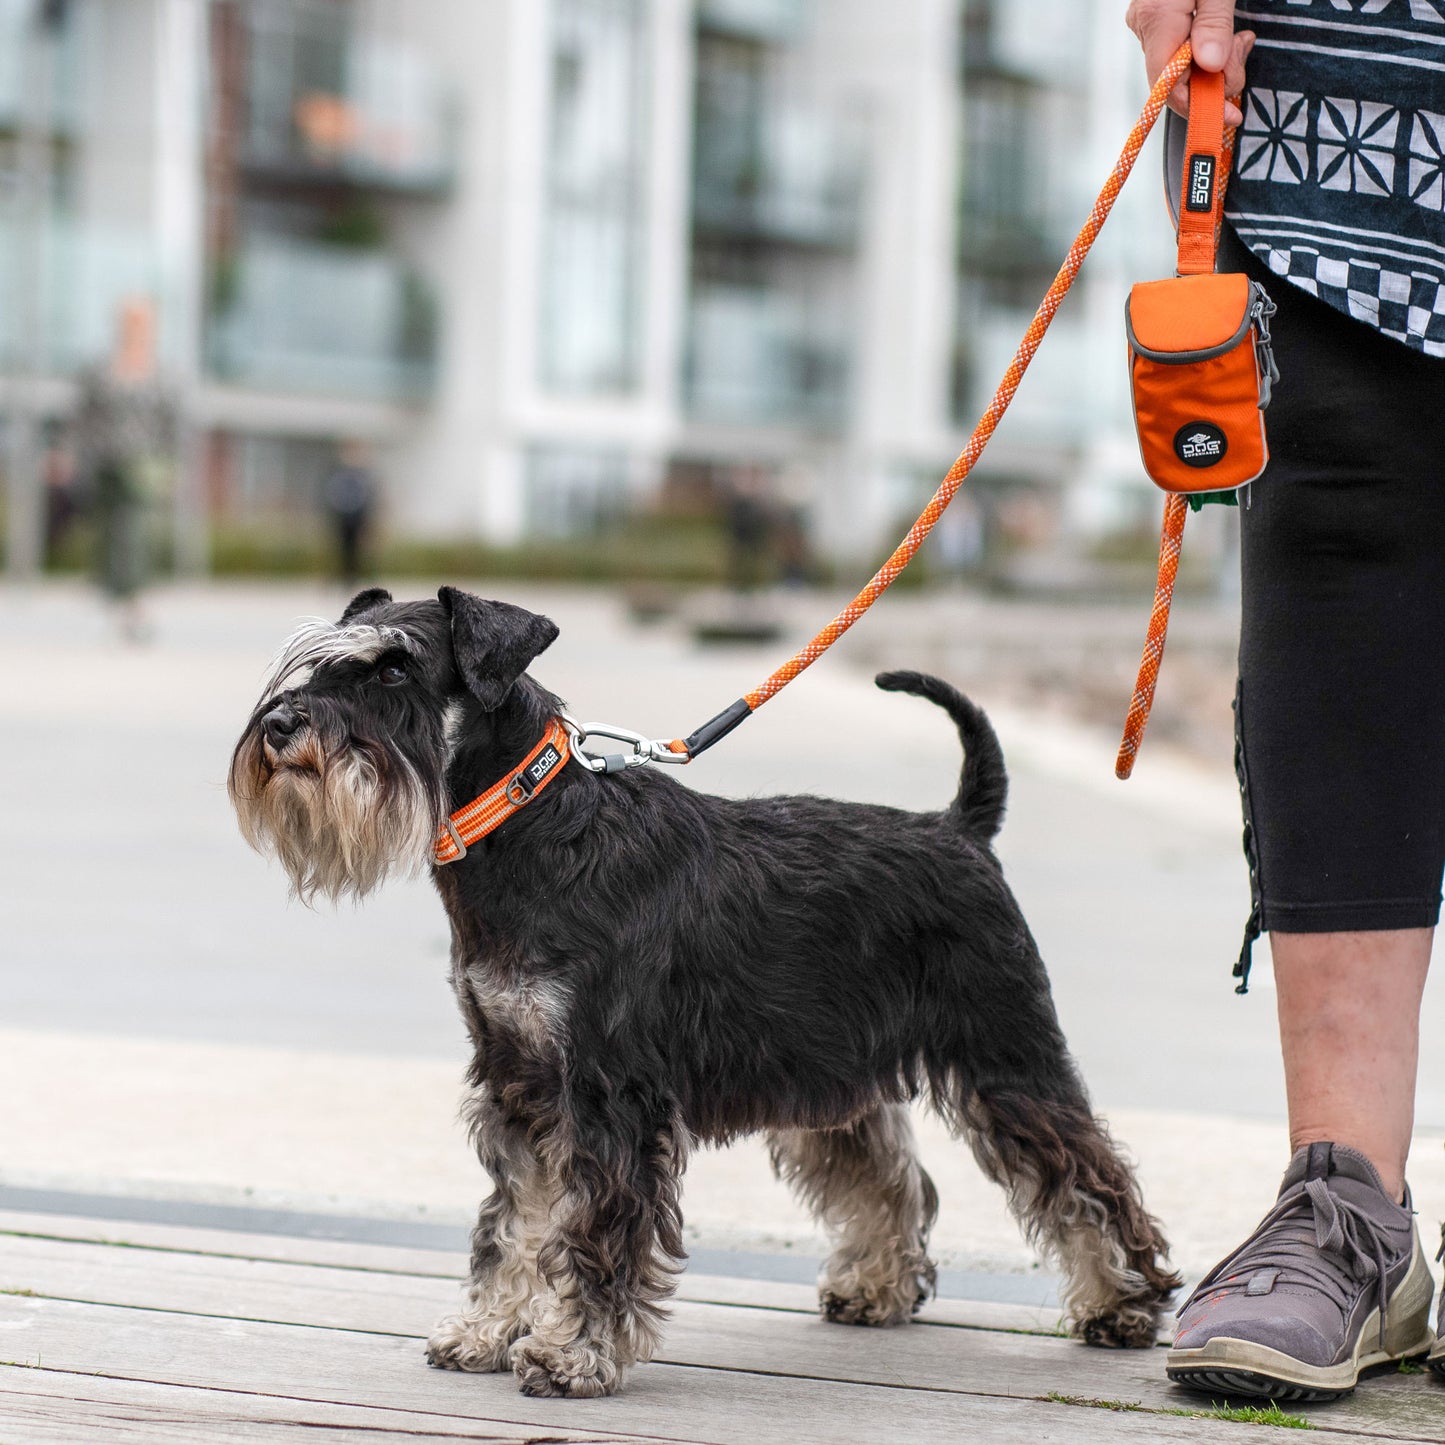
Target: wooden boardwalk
128	1333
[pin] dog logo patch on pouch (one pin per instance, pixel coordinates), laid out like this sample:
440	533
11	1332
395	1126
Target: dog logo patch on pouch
1200	444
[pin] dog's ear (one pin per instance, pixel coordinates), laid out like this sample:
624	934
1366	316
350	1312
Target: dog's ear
493	642
364	602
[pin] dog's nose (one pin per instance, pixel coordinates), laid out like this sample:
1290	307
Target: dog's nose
279	724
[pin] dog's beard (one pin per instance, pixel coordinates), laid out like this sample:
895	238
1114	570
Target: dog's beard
339	822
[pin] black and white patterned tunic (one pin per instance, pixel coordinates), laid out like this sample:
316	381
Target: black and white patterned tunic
1339	177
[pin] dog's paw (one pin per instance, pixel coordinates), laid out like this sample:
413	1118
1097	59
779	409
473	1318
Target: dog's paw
478	1346
878	1294
571	1372
1127	1328
842	1309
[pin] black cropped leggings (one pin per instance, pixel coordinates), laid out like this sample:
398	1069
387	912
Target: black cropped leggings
1340	714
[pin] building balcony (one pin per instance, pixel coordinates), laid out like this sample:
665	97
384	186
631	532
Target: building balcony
770	21
328	106
796	181
51	102
63	285
754	360
294	315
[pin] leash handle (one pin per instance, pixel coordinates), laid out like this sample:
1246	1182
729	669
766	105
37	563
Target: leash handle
1201	205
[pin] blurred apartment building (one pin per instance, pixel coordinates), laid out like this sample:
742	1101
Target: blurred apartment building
555	259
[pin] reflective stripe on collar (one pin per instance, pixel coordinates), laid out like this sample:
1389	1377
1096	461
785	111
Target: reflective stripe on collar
489	811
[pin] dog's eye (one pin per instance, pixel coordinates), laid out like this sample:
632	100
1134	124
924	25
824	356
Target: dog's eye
392	674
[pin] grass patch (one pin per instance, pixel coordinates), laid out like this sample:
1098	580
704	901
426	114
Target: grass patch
1093	1403
686	551
25	1293
1269	1414
1409	1367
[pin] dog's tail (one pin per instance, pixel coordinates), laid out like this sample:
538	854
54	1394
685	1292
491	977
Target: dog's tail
983	790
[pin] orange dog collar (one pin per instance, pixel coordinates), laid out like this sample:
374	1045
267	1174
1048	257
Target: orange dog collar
482	815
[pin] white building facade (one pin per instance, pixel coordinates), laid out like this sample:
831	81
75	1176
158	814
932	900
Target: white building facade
558	260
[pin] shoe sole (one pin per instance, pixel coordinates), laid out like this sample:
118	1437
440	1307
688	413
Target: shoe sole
1240	1367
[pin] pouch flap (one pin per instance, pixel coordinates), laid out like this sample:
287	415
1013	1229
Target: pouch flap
1189	318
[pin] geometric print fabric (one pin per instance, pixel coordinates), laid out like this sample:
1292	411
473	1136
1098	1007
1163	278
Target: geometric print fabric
1339	177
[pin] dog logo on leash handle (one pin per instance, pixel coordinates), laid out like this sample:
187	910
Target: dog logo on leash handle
1202	170
797	967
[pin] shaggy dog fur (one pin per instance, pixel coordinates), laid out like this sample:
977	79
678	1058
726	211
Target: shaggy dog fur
643	968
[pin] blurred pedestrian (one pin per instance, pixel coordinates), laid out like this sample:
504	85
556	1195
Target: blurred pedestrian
750	526
62	502
126	440
349	498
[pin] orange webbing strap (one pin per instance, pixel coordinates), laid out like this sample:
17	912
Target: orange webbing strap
1208	150
903	554
1201	201
489	811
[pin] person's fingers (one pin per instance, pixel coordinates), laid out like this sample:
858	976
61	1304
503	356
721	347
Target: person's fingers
1234	76
1238	55
1162	27
1212	34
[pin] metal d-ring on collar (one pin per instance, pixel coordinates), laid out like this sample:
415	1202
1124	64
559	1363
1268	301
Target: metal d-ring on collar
643	749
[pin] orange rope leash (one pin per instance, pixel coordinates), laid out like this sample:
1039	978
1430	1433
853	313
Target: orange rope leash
1171	541
904	553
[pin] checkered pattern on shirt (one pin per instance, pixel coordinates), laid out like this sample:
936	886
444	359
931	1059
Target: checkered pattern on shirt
1339	178
1406	304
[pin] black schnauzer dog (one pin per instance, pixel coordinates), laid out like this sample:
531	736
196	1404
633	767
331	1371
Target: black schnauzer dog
643	968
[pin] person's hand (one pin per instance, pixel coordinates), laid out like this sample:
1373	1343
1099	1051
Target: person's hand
1208	25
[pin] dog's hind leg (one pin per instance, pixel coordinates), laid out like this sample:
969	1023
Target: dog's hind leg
865	1185
609	1261
510	1228
1077	1200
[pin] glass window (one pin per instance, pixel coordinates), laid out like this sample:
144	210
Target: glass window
592	254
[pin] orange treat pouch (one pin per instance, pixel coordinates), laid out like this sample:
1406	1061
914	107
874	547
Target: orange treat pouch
1201	370
1200	365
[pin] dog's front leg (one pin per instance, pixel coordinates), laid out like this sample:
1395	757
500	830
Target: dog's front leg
609	1265
510	1229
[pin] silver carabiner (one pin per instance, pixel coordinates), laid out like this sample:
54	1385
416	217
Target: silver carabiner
643	749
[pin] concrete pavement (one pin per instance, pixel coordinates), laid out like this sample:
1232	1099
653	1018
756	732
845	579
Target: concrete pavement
172	1026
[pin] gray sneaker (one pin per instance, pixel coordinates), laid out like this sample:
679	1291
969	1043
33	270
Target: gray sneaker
1436	1359
1332	1282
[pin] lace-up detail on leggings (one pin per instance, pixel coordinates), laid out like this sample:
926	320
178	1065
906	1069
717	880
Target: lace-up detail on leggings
1312	1237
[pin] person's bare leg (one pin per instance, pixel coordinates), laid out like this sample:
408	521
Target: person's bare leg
1349	1028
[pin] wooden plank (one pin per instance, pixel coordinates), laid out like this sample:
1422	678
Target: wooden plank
436	1264
338	1254
408	1305
39	1406
719	1407
702	1336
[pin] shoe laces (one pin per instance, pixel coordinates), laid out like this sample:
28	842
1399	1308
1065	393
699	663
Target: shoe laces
1317	1239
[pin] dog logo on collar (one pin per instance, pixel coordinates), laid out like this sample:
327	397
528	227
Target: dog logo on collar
546	760
521	788
1200	444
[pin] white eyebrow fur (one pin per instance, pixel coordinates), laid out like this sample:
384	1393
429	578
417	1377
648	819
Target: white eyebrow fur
317	642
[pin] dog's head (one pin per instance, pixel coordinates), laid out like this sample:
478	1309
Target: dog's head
341	770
